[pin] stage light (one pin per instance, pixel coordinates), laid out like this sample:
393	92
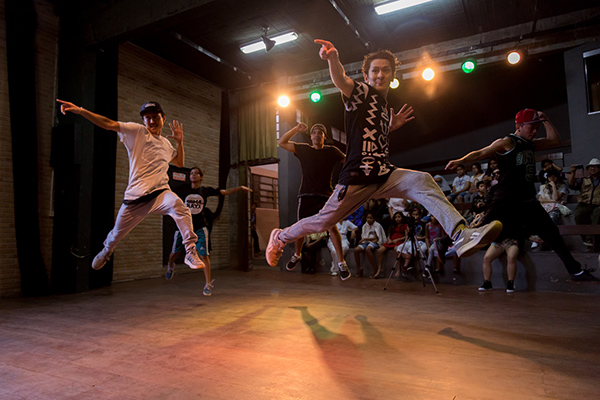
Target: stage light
395	83
283	101
468	66
428	74
315	96
261	44
397	5
514	57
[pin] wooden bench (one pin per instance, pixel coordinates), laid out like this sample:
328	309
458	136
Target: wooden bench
592	230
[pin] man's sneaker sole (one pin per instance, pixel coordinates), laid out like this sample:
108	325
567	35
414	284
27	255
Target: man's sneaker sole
274	251
491	232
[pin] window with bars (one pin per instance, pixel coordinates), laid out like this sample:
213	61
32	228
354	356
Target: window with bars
266	191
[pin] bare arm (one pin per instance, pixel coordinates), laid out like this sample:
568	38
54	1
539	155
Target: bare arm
225	192
284	141
552	138
96	119
498	146
336	70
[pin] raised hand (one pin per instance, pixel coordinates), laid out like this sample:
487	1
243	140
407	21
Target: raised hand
302	127
177	130
327	50
66	106
401	117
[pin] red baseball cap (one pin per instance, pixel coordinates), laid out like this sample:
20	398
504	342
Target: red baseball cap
528	116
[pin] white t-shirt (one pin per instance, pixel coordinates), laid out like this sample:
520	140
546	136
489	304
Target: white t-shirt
369	231
344	227
398	205
459	183
149	157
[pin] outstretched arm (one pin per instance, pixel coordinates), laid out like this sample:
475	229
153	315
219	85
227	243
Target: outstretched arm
284	141
96	119
177	130
225	192
498	146
336	69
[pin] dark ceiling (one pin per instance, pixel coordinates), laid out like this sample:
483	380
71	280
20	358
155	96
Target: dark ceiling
175	29
183	31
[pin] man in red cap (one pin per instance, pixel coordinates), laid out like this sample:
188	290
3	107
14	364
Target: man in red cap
514	200
148	190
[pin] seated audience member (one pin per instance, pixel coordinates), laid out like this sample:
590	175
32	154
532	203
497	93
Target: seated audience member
416	229
489	172
443	184
444	249
312	244
398	205
357	218
380	211
395	237
553	196
373	236
587	211
344	227
433	232
460	185
475	179
481	202
547	166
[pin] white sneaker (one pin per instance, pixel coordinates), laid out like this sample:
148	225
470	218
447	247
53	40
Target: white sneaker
193	260
101	258
275	247
470	240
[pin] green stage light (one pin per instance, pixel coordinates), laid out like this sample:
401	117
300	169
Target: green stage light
315	96
468	66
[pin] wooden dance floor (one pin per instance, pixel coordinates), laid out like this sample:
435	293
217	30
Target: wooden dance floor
269	334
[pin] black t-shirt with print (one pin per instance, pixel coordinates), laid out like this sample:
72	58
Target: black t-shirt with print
317	167
367	128
195	200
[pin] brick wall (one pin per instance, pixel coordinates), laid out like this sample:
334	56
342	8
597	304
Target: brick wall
47	31
195	103
142	76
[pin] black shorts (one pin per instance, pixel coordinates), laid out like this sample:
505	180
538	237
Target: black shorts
310	205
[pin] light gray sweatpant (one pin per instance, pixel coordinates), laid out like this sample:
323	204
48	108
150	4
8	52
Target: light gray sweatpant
166	203
402	183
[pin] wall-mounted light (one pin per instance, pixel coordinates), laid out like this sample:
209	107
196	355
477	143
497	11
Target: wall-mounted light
273	41
468	66
391	6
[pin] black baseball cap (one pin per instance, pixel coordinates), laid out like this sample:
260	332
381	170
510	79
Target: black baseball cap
151	106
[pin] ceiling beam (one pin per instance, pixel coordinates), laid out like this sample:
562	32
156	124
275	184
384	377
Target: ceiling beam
121	21
552	34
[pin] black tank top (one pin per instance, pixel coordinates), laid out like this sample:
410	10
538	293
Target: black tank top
517	172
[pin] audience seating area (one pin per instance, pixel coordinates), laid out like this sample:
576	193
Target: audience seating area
537	270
